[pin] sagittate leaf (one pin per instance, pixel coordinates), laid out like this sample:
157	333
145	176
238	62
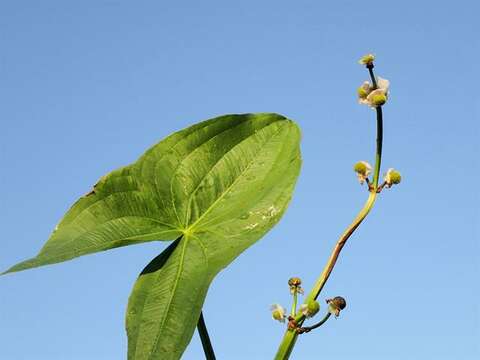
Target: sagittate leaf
215	187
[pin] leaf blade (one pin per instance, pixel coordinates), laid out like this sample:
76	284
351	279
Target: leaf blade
220	185
164	303
222	234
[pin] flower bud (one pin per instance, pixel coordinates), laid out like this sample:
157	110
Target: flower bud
392	177
374	97
294	284
278	312
367	59
336	305
294	281
310	309
363	169
363	90
377	98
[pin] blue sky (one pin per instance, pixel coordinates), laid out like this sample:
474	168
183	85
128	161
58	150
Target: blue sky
87	86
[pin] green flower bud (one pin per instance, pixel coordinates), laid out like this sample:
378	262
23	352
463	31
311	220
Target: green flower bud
395	177
367	59
278	312
310	309
363	169
378	99
392	177
362	92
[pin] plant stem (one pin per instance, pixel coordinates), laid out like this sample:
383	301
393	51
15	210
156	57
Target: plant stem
320	323
372	76
290	337
294	305
206	344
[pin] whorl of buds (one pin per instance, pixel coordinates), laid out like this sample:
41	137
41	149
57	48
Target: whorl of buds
374	96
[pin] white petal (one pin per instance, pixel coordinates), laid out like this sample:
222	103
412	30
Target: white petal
367	165
363	101
387	176
383	84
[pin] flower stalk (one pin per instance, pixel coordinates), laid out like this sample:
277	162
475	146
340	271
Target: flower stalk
290	336
294	304
307	329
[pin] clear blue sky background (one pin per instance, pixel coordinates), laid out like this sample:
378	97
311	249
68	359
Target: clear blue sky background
87	86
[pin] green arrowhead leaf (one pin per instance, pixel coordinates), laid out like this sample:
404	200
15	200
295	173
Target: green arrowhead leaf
216	187
200	179
239	195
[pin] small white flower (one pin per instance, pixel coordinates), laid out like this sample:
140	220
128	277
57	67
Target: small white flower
392	177
383	84
373	98
363	169
278	312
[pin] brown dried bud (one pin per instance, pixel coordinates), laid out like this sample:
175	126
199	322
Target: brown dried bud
336	305
294	281
294	284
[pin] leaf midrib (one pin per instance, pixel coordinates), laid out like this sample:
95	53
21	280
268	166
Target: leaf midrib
192	194
177	277
187	156
191	228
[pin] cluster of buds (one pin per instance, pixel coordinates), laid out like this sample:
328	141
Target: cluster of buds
375	94
363	169
308	309
279	313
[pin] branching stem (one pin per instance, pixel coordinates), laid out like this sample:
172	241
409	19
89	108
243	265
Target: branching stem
294	305
317	325
290	337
